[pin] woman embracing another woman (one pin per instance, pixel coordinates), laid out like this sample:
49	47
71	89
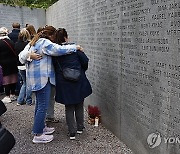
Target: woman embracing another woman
41	75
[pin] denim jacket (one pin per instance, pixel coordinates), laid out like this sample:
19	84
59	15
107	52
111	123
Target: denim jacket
40	71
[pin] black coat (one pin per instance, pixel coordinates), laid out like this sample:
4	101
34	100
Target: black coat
19	46
14	35
3	108
69	92
8	60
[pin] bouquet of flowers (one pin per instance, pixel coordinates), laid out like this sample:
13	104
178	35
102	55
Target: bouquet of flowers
93	112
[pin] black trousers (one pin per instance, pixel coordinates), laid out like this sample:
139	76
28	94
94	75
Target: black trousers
10	89
74	117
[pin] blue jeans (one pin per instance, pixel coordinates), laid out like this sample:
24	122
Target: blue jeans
25	94
42	102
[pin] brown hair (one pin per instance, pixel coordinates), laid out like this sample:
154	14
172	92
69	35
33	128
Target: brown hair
60	36
31	30
16	25
47	32
40	29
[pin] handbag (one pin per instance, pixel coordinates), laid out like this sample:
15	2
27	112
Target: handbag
70	74
7	140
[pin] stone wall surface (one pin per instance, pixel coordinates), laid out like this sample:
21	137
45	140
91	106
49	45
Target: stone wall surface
134	68
133	47
22	15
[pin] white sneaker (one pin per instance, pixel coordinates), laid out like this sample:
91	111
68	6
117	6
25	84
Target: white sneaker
43	138
48	130
6	99
13	97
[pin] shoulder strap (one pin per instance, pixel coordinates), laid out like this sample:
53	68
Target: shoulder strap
10	47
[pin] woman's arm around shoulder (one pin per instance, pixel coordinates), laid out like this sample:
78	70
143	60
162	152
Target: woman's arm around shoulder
53	49
24	54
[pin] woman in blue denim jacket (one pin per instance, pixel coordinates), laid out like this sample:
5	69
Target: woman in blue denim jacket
40	73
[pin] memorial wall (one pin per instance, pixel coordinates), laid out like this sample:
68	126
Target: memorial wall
22	15
134	67
134	52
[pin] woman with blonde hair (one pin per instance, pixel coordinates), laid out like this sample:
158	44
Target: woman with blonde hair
25	94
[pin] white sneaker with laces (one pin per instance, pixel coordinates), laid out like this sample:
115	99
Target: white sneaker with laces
13	97
48	130
6	99
43	138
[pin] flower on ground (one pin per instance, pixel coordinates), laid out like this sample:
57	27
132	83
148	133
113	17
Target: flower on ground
93	111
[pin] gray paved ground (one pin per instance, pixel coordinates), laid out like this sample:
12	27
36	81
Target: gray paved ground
94	140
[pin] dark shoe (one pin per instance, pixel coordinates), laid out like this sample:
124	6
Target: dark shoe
29	104
53	120
17	93
80	131
72	136
2	93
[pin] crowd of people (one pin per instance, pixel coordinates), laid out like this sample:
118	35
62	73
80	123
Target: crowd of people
33	62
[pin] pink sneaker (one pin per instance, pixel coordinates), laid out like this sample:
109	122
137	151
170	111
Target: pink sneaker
43	138
48	130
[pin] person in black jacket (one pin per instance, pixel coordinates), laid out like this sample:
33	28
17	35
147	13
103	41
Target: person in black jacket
8	61
71	93
14	37
15	32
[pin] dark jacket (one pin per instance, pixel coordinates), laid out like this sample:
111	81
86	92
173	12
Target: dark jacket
8	60
19	46
14	35
69	92
3	108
